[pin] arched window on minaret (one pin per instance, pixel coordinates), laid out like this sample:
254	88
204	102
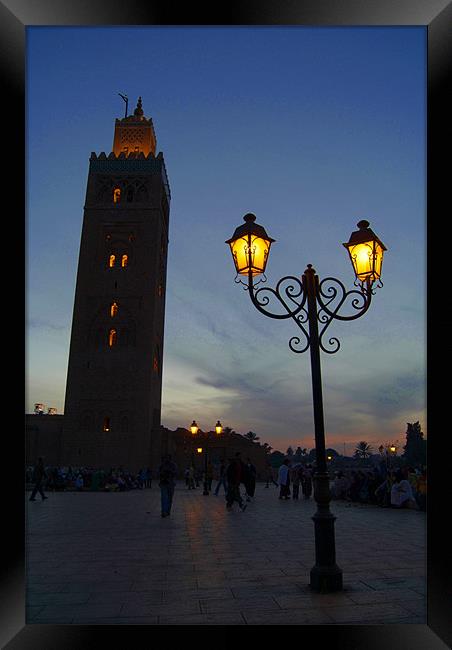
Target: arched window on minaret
124	260
113	309
112	337
116	195
111	261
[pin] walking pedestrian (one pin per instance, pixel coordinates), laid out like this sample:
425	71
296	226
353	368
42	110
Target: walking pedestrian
167	483
270	478
234	475
250	478
306	482
191	478
209	477
222	479
295	479
284	480
39	476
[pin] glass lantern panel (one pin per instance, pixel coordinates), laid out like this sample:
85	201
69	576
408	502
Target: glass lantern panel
245	255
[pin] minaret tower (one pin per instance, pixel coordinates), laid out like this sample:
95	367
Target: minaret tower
114	381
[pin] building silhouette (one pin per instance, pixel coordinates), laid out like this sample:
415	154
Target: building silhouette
114	381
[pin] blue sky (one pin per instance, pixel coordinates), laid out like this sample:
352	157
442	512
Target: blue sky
311	129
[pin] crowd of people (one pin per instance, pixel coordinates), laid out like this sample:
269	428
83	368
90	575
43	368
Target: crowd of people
404	487
60	479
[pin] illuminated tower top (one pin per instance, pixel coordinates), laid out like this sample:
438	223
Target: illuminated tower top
134	134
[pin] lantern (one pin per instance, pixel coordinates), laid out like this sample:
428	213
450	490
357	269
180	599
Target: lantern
250	246
366	253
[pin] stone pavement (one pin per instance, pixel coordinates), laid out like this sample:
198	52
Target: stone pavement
106	558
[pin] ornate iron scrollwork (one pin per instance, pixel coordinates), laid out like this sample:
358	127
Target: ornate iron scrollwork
332	298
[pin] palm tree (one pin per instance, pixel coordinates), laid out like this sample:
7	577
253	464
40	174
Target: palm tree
251	436
267	448
363	450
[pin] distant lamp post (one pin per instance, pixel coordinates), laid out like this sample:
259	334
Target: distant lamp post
393	454
312	305
196	431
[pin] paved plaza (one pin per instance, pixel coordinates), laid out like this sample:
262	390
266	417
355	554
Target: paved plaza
109	558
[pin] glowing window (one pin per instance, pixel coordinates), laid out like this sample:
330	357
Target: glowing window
124	260
106	426
112	336
111	261
113	309
116	195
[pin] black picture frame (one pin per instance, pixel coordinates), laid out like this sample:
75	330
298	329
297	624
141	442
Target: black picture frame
436	16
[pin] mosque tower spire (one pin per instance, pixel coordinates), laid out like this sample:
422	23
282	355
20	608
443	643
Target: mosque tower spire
134	134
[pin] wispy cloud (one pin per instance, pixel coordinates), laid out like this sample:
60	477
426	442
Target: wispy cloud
38	324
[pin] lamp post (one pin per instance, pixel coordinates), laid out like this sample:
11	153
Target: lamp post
312	305
196	431
393	450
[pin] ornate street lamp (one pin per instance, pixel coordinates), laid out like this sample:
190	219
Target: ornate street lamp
312	305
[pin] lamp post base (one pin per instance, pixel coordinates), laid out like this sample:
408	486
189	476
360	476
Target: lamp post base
326	579
326	576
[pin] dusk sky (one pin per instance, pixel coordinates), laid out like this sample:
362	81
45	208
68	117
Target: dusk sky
311	129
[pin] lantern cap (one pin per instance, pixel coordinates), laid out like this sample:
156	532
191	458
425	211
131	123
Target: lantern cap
249	228
364	234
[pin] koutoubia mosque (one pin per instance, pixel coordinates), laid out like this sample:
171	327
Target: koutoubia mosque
112	413
114	380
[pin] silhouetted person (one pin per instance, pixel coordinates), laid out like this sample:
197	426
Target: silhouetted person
167	483
234	475
39	476
284	480
250	479
222	479
306	482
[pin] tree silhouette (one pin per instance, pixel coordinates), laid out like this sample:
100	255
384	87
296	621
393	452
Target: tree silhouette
415	449
363	450
251	436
